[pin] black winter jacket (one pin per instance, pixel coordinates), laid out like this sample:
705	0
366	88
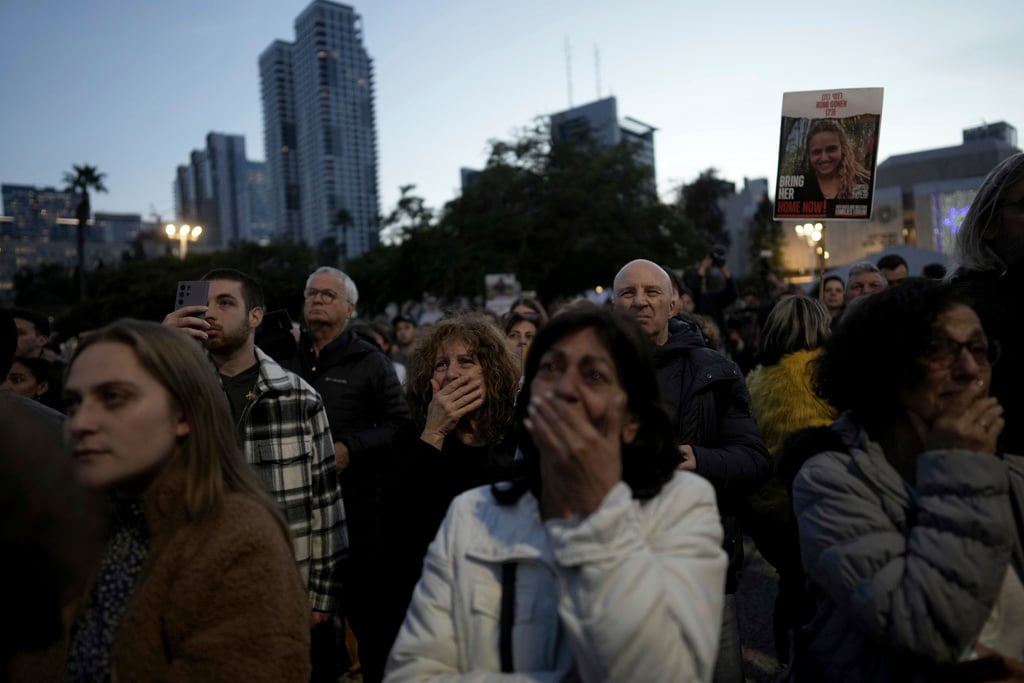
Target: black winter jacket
710	408
366	410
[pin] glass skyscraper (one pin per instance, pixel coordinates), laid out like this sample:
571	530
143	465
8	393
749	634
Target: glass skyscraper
320	131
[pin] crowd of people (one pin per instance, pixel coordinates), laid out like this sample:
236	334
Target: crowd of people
549	496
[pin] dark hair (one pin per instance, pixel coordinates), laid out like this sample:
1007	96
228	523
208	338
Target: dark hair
403	318
500	371
676	282
384	330
891	262
651	459
511	319
39	367
40	322
364	331
830	278
533	305
872	352
252	293
8	341
935	271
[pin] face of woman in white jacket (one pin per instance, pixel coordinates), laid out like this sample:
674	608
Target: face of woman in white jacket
579	372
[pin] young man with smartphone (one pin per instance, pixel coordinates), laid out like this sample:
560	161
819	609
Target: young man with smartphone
284	432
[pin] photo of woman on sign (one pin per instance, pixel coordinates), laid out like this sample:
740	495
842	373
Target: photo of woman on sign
831	171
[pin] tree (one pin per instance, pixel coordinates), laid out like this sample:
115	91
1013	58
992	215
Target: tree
765	245
144	288
700	203
81	179
563	217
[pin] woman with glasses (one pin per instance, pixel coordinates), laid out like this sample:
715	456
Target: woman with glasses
990	254
909	517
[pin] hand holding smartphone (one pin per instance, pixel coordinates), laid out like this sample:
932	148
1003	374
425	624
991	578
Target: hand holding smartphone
192	293
188	294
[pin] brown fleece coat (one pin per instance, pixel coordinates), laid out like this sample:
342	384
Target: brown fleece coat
220	599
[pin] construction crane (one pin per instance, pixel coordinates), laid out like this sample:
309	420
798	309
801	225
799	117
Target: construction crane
157	215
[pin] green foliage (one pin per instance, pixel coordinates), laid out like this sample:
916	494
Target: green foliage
766	236
699	200
84	178
145	288
563	217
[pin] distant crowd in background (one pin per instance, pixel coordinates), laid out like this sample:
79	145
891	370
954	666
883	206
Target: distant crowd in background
559	492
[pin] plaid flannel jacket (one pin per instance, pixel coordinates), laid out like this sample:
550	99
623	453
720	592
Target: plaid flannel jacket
287	440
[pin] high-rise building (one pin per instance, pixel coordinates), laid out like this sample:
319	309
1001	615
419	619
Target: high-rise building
600	122
230	179
38	213
216	192
117	228
280	142
320	130
38	225
260	225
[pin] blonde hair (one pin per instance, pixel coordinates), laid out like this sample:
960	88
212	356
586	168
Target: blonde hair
851	172
974	239
796	324
208	455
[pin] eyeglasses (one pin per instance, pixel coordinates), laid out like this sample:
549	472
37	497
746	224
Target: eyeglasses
329	295
943	353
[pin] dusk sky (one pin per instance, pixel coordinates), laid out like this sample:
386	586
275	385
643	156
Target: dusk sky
133	87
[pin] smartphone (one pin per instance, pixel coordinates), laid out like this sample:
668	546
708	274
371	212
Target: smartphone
192	293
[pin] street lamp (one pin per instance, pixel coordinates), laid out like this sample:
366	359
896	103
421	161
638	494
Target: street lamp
184	234
813	233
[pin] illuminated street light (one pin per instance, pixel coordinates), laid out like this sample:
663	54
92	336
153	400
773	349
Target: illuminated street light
813	234
184	234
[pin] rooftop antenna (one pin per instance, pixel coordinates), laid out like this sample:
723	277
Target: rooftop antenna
568	68
597	69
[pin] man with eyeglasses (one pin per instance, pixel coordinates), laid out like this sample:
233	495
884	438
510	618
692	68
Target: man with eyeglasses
366	409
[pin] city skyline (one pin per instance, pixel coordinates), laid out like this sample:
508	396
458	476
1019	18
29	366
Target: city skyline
131	87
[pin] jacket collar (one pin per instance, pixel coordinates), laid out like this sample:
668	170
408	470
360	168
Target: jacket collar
870	461
273	378
515	533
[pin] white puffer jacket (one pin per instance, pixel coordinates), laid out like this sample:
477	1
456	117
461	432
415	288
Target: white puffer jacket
631	593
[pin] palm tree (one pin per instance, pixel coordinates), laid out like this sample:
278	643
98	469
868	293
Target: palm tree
81	179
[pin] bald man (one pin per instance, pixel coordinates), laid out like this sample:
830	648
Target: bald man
713	422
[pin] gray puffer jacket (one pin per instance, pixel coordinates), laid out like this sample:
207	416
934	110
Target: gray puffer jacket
904	577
